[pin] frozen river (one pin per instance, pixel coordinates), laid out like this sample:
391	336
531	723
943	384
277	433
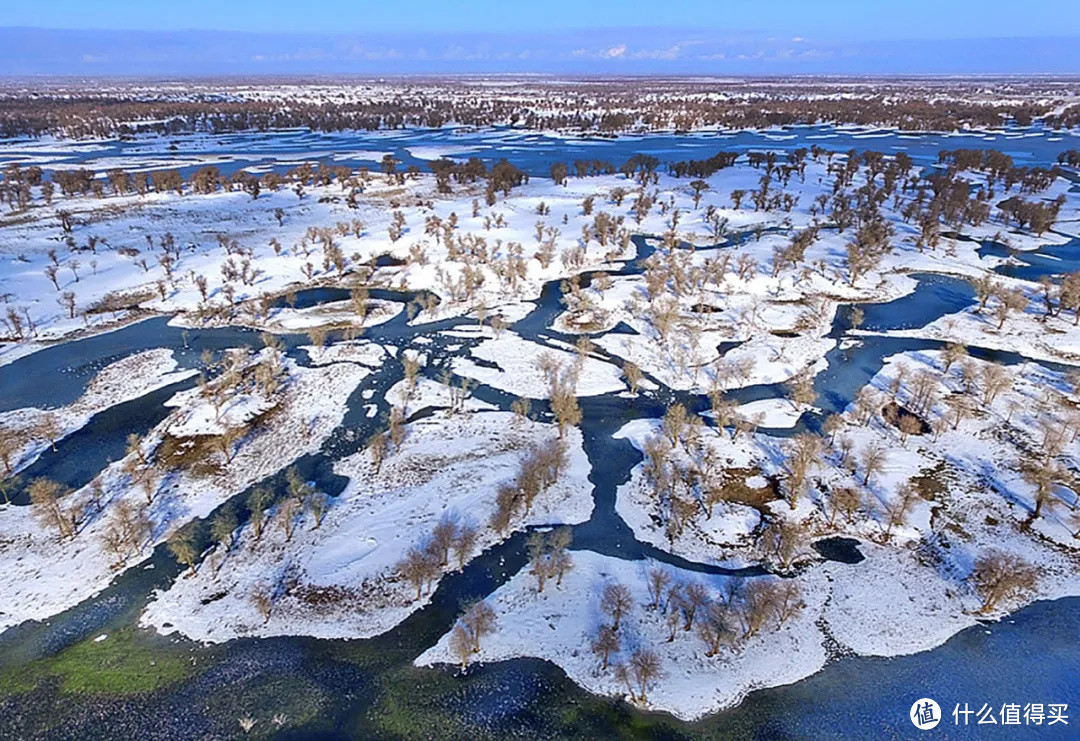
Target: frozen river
532	151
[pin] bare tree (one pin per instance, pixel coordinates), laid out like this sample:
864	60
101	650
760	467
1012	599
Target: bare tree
622	676
616	601
909	425
1042	476
658	579
9	483
418	568
50	273
507	504
961	406
832	425
645	666
699	187
127	529
714	628
694	596
262	597
396	427
675	422
787	601
759	597
805	454
317	504
184	546
564	406
873	460
985	288
562	562
299	488
1009	300
258	502
317	336
548	556
9	446
867	404
801	390
539	559
673	596
953	353
784	540
606	643
67	300
442	537
633	375
999	576
49	429
995	379
134	447
378	445
900	505
844	500
461	645
288	511
479	620
223	526
228	439
464	542
46	496
521	407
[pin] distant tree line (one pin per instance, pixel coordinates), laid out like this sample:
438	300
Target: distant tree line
603	108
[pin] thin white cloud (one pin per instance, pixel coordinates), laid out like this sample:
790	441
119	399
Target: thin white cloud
675	51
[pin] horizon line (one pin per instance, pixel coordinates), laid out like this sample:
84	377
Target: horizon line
597	76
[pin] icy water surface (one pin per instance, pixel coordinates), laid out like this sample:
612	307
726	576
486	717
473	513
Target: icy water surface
1048	259
529	150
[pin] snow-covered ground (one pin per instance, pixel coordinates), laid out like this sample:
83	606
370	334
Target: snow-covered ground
45	574
335	315
707	315
568	617
913	590
428	394
1030	333
721	536
521	368
34	430
772	413
888	605
340	579
237	245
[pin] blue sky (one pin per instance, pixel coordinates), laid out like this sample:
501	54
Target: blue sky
599	36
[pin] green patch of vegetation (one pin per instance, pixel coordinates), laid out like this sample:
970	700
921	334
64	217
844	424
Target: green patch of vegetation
403	720
593	717
420	703
125	662
364	654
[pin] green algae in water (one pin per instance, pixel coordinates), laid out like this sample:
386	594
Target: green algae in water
125	662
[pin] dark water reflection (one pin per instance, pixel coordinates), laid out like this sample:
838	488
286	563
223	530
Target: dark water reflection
1048	259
